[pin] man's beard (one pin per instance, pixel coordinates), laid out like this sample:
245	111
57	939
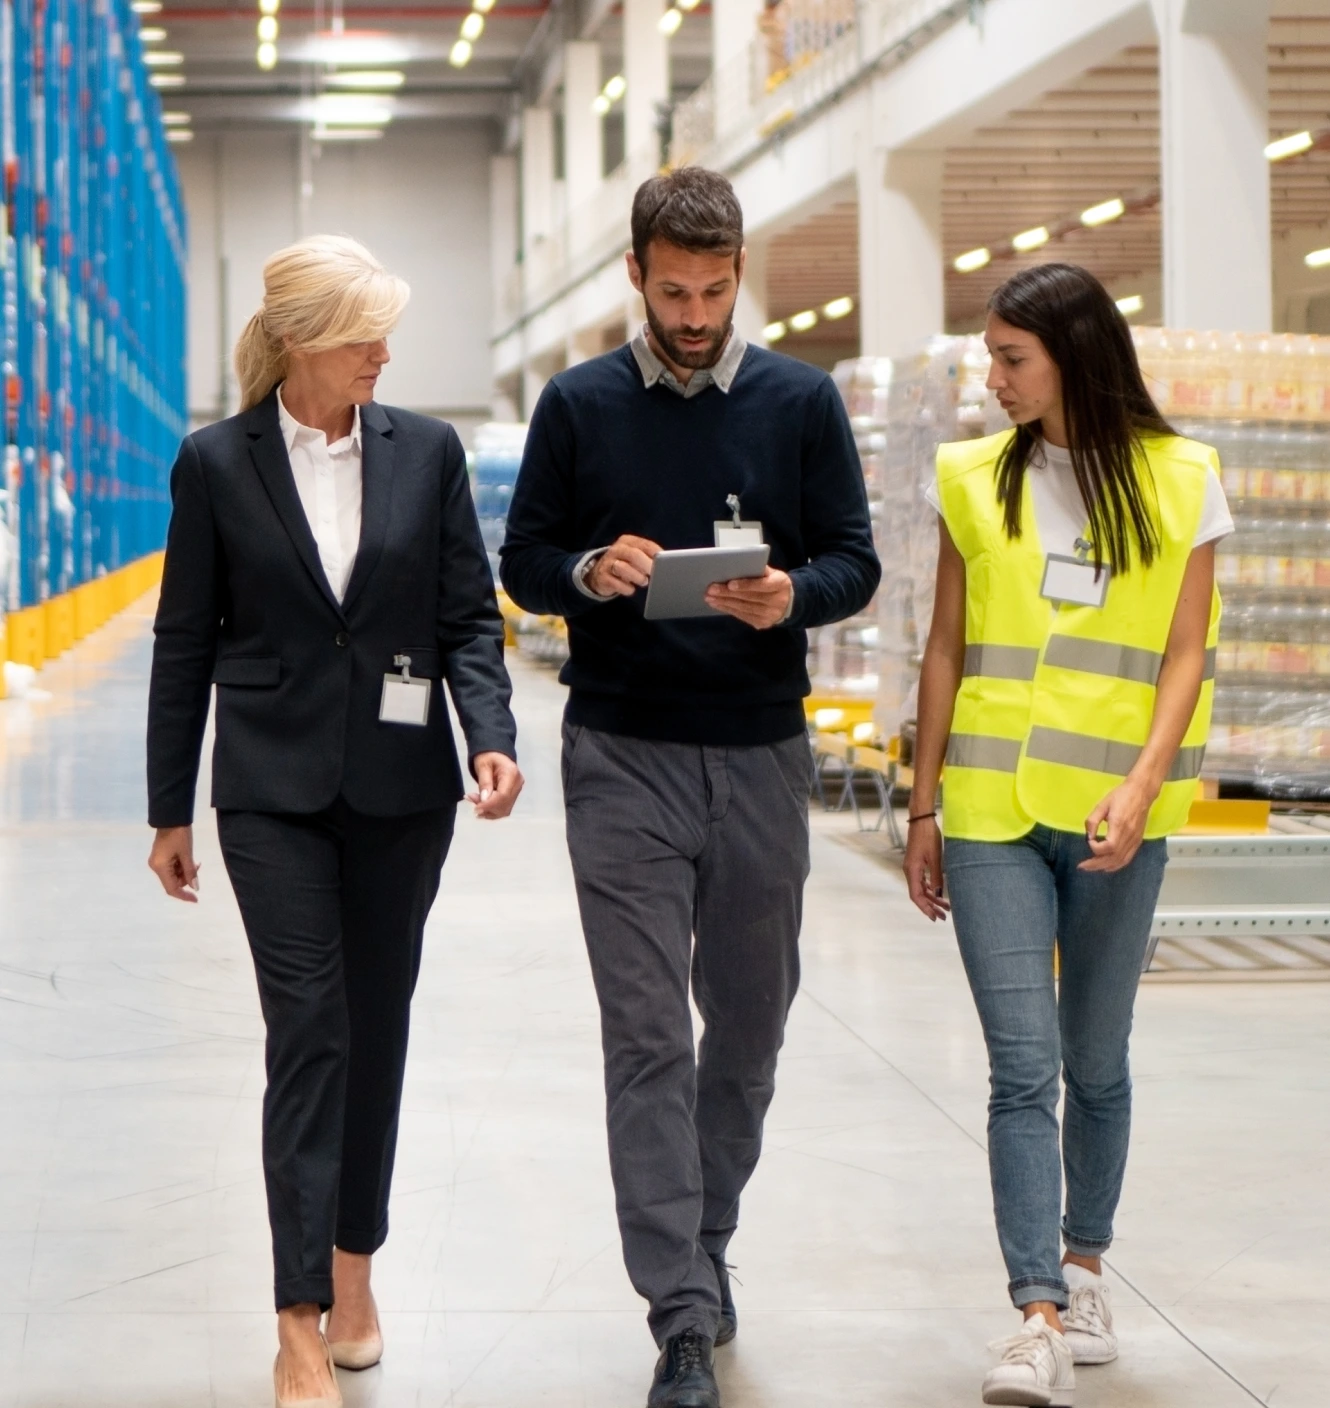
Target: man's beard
708	356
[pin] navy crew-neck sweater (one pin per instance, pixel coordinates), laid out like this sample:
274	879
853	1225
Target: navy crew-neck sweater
605	456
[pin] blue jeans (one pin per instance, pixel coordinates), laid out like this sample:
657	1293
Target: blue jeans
1012	901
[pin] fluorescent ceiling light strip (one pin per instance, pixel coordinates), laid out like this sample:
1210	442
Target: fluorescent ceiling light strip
153	35
347	134
473	27
1317	259
974	259
838	308
1030	239
460	55
368	79
175	119
669	22
1103	213
1293	145
801	322
167	80
268	29
163	58
773	332
267	56
269	7
1133	303
615	88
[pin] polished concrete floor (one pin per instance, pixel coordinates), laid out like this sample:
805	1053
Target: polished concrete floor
133	1245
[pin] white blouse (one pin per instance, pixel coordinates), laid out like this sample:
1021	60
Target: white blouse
328	480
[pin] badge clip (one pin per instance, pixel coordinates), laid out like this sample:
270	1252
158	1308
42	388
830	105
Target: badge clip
405	700
737	533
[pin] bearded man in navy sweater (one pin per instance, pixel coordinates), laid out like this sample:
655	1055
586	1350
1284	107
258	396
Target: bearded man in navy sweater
686	764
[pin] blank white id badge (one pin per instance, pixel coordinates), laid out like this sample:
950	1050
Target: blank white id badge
1071	581
738	535
405	701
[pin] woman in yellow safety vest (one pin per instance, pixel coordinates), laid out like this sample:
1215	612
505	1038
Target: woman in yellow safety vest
1067	686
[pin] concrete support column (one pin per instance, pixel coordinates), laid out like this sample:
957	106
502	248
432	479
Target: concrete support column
1214	125
583	142
750	311
901	293
733	29
505	237
646	70
537	178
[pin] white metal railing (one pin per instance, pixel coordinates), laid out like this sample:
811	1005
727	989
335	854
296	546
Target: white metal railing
805	52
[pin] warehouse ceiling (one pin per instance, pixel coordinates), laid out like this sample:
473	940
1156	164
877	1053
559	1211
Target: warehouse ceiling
516	58
1093	140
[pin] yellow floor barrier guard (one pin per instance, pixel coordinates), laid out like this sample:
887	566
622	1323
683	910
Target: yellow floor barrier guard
37	634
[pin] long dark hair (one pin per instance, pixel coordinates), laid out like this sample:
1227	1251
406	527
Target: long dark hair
1105	402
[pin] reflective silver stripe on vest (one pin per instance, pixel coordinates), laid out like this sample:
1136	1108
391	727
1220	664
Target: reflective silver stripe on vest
1098	657
1081	750
981	750
1002	662
1187	765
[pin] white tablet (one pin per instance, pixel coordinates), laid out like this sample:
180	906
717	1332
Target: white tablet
679	579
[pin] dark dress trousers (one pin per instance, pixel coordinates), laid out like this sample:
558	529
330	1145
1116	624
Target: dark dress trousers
334	826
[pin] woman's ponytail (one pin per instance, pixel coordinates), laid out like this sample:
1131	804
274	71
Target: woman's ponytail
260	361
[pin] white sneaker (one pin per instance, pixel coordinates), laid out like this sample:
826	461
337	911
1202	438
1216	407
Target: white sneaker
1035	1370
1088	1320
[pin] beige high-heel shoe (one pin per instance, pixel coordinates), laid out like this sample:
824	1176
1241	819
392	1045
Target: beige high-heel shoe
334	1402
357	1354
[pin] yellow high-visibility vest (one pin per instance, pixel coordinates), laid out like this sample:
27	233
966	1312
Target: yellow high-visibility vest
1056	702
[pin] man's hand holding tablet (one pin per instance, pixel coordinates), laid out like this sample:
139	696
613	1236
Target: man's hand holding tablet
760	602
625	567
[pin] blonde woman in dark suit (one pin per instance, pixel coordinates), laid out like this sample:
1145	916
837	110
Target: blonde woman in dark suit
324	569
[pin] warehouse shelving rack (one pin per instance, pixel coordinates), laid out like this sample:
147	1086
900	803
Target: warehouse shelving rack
92	341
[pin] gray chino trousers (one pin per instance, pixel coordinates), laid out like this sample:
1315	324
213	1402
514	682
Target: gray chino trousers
687	859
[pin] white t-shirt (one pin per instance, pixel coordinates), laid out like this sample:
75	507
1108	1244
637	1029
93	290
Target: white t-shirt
1059	514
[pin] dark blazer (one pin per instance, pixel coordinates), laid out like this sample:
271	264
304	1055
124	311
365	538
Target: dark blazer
245	605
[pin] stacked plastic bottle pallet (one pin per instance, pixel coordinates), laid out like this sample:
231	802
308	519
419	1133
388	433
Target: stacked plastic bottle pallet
92	332
1264	403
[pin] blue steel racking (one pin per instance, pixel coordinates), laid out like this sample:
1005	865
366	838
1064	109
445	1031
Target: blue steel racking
93	281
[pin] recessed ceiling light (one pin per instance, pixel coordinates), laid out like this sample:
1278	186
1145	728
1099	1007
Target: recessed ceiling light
601	105
147	7
460	55
179	134
1133	303
670	21
1317	259
838	308
773	332
154	34
484	6
615	88
167	80
268	29
1293	145
175	119
269	7
1103	213
801	322
163	58
267	56
1030	239
473	27
974	259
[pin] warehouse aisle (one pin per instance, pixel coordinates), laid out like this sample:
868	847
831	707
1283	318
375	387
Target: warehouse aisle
133	1247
